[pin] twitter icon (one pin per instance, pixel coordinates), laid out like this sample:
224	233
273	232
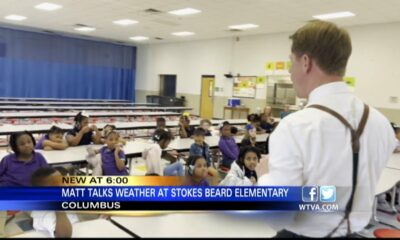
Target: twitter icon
327	194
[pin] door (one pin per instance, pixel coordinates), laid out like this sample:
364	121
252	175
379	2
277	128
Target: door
207	96
168	85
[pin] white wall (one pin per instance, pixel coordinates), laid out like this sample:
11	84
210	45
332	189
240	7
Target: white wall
374	62
188	60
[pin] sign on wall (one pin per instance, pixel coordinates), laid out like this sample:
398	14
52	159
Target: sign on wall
350	81
244	87
277	67
260	81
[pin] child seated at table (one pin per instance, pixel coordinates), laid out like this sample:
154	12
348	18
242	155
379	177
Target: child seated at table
185	130
16	168
384	198
53	140
56	223
82	133
228	147
286	111
267	120
152	156
161	123
255	122
201	148
234	131
249	138
197	172
112	157
243	171
206	124
106	130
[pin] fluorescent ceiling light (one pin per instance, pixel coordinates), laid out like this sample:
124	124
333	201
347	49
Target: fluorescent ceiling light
182	34
184	11
48	6
334	15
15	17
244	26
125	22
85	29
139	38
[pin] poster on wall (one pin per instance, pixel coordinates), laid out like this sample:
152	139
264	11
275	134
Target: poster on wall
350	81
260	82
244	87
278	67
270	66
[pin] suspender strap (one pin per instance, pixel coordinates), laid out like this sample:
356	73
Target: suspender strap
355	134
355	145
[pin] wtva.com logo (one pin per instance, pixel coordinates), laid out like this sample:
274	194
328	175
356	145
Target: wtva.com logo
323	193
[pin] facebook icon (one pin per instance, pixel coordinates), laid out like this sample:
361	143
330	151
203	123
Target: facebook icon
310	194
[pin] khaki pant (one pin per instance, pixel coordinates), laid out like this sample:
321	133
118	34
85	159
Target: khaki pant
3	218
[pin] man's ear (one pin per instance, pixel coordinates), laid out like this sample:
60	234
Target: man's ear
307	63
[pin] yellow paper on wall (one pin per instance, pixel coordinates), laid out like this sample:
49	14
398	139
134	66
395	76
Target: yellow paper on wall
261	80
270	66
350	81
280	65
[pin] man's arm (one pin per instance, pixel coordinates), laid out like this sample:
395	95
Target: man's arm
285	163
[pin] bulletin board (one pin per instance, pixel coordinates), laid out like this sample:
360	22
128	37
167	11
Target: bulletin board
244	86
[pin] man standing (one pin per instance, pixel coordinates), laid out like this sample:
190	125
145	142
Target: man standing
335	137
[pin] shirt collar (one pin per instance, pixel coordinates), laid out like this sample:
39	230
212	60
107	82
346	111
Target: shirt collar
109	150
327	89
33	159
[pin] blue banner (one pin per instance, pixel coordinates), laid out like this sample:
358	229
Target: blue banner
153	194
160	198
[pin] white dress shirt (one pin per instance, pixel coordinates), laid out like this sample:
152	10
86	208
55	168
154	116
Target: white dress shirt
312	148
45	221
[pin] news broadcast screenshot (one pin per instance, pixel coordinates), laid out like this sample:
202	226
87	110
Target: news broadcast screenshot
199	119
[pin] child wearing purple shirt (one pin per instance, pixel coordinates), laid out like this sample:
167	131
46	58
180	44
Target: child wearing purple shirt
198	172
228	147
16	168
112	156
53	140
